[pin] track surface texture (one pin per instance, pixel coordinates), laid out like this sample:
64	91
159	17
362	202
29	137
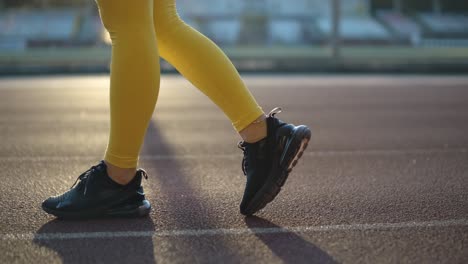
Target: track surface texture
384	179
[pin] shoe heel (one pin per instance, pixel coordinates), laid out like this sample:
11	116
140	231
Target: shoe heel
301	140
144	209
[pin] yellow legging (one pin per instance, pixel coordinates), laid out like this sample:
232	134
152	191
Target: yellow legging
141	30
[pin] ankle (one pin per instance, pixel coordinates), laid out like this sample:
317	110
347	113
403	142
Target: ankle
121	176
256	131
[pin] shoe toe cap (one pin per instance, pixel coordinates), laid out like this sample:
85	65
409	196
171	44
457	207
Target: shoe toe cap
50	203
244	211
244	205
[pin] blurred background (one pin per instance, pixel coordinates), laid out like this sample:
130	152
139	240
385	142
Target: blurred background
46	36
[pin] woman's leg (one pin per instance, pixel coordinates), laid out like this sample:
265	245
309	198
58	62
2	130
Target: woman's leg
133	93
204	64
134	80
271	147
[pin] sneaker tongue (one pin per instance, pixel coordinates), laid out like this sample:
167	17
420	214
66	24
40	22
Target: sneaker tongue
272	122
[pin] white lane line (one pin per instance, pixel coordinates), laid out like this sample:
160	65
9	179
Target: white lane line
324	153
237	231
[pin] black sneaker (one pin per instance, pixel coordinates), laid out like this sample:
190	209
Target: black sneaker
267	163
97	195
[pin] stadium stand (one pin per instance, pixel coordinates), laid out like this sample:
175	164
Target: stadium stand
445	25
21	29
90	28
356	24
286	31
44	24
402	26
244	22
300	8
221	22
281	22
217	8
294	23
224	32
34	26
363	29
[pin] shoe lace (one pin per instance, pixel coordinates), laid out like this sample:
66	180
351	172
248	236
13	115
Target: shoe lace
83	178
242	145
244	164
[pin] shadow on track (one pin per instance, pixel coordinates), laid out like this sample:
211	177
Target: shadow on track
288	246
179	204
99	250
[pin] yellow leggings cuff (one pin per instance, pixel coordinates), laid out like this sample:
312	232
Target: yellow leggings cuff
246	120
121	162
